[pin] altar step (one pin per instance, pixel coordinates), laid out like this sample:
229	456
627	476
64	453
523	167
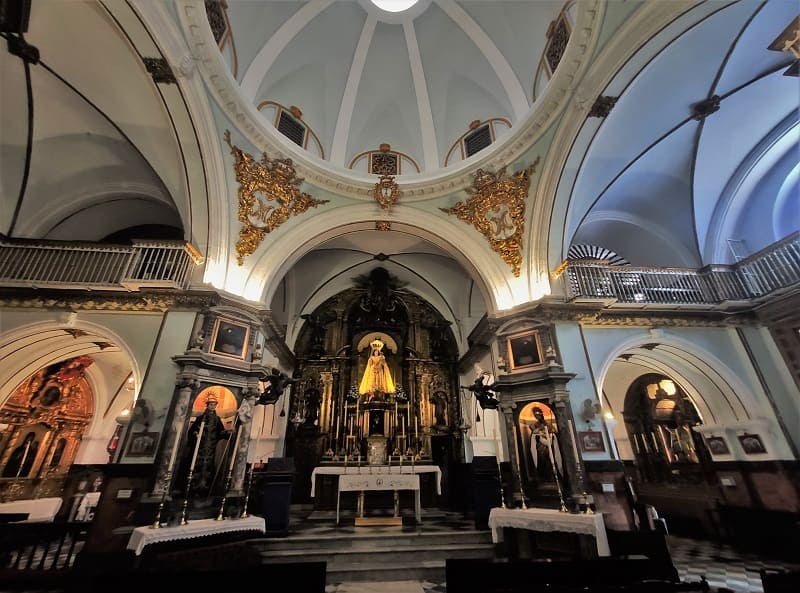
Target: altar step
377	553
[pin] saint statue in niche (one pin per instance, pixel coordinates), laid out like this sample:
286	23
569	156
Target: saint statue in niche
377	377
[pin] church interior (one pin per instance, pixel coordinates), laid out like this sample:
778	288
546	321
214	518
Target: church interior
517	278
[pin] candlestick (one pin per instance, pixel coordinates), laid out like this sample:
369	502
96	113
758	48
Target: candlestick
574	441
196	445
174	451
247	492
499	471
519	468
24	457
221	514
235	447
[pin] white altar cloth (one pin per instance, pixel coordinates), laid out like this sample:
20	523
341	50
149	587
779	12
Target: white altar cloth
387	481
339	470
550	520
146	535
40	510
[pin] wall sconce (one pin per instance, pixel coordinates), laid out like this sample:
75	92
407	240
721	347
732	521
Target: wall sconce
124	417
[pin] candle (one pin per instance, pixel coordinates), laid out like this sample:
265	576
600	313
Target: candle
550	448
574	442
174	453
395	412
516	449
235	447
403	421
24	457
197	443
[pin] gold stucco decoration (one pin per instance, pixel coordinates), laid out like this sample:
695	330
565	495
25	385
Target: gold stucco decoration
496	207
269	193
386	192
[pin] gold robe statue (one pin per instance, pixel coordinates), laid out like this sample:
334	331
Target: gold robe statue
377	377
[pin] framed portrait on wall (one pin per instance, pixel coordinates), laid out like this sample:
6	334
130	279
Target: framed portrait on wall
143	444
717	446
230	338
752	444
591	441
524	350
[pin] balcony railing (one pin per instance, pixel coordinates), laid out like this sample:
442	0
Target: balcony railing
765	272
49	264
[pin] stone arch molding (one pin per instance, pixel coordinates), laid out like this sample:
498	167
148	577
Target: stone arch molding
737	398
22	356
292	243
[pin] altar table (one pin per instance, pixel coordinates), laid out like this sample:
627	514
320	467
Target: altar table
376	469
146	535
388	481
40	510
550	520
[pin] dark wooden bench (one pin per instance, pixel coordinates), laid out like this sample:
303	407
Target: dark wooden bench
600	575
627	544
780	581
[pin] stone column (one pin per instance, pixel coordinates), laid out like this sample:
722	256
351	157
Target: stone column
506	411
165	474
244	423
573	462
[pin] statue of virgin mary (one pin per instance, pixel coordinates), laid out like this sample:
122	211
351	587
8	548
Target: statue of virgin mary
377	377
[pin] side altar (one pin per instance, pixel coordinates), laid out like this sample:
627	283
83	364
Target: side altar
326	486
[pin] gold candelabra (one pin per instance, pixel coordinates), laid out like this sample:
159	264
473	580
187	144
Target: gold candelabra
228	479
500	481
519	468
185	507
247	491
157	521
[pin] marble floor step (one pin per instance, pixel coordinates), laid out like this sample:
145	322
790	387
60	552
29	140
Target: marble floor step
401	554
372	540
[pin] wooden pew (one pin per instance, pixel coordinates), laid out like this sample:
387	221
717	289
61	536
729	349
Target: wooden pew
600	575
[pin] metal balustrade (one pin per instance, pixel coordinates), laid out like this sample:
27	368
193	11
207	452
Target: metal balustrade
50	264
168	264
772	269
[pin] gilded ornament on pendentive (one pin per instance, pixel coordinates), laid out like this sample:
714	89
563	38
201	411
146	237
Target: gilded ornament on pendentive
386	192
269	193
496	208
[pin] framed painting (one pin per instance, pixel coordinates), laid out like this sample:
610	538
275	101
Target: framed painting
143	444
752	444
230	338
717	446
524	350
591	441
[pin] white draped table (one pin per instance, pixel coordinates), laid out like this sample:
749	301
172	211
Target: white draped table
550	520
146	535
388	481
40	510
339	470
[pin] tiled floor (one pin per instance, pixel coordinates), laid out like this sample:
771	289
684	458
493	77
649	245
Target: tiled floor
725	569
722	566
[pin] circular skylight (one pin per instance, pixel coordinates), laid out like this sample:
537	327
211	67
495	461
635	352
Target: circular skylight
394	5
